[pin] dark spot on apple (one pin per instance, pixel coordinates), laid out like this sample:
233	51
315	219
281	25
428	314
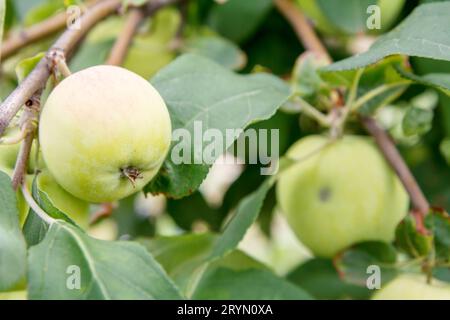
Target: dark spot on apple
324	194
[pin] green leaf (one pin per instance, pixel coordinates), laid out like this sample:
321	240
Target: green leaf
136	3
417	121
354	262
189	210
414	243
25	66
2	22
439	81
349	16
107	269
198	91
238	20
438	222
246	214
130	222
12	243
306	79
183	257
91	54
35	228
424	33
252	284
445	149
10	15
43	11
218	49
152	51
24	6
382	73
320	278
442	273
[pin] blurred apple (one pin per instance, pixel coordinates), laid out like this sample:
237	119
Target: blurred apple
340	193
413	287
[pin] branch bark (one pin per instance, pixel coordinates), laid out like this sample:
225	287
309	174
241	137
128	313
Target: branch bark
302	28
310	40
36	32
29	119
393	157
33	34
120	48
136	16
37	79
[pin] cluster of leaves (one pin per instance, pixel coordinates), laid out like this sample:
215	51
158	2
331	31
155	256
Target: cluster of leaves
218	41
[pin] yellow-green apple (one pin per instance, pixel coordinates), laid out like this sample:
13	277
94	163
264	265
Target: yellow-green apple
77	209
340	193
413	287
104	133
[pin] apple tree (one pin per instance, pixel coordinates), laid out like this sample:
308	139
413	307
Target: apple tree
200	149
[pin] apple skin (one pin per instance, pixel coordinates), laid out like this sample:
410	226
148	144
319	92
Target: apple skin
341	195
77	209
98	123
413	287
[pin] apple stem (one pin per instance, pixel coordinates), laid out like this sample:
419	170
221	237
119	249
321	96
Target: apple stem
57	62
310	111
105	210
14	139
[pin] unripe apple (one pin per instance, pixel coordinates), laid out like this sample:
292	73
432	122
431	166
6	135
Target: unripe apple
340	194
413	287
105	133
77	209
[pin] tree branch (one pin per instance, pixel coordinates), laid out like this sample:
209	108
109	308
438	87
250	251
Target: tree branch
37	79
120	48
29	118
34	33
394	158
310	40
136	16
302	28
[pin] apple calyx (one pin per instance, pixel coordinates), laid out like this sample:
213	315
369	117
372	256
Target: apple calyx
132	174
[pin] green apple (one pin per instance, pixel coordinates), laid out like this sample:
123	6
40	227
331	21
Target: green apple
340	193
104	133
8	156
77	209
14	295
147	56
413	287
389	11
